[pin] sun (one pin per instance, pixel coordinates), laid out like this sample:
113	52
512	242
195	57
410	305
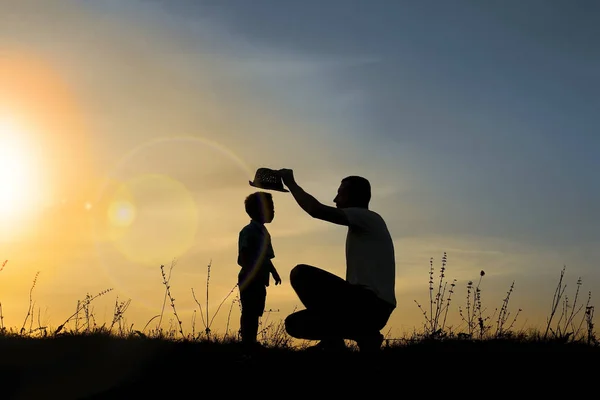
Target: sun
16	173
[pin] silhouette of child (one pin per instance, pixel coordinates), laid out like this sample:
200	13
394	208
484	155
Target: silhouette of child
255	253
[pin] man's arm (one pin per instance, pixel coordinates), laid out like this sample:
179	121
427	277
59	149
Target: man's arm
312	206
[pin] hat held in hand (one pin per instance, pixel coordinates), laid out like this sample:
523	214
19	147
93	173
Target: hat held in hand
269	179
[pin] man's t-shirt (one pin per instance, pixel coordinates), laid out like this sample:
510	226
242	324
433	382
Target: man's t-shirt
370	258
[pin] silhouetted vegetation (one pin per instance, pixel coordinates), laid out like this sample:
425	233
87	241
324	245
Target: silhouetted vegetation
94	358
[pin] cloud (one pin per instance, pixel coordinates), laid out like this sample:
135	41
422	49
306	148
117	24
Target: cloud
273	65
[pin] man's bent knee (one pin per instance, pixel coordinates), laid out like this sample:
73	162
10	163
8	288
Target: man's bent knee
297	273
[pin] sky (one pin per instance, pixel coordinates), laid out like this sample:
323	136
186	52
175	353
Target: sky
129	131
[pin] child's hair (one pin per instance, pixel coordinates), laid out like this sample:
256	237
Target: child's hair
256	204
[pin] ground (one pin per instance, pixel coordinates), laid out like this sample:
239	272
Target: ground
101	367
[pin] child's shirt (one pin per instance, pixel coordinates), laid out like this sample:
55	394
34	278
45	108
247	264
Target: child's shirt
255	238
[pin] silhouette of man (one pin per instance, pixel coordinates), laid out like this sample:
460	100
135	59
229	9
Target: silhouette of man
358	307
255	252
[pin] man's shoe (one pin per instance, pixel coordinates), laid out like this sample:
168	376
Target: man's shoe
371	343
330	346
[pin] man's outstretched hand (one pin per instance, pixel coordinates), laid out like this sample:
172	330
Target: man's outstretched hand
287	176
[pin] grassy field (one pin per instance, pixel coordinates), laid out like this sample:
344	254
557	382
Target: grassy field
81	360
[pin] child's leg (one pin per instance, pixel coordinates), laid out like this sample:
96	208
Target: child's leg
249	327
253	304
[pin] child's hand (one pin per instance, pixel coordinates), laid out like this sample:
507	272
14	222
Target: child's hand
277	278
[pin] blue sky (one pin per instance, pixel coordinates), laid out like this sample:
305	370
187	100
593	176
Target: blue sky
492	106
476	123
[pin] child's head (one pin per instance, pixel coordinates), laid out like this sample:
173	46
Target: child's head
260	207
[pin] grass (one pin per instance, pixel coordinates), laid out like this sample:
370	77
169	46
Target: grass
80	358
568	322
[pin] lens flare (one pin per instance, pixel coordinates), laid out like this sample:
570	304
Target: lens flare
153	218
121	213
160	201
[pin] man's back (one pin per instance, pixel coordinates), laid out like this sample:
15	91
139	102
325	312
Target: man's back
370	256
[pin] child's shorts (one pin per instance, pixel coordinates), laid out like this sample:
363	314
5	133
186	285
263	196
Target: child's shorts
253	296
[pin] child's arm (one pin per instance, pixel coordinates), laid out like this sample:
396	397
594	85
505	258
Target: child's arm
275	274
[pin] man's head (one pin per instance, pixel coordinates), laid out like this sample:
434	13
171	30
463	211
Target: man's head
354	191
260	207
